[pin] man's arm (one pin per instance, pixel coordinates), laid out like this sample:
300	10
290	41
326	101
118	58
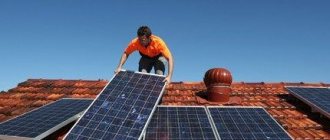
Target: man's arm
170	70
121	62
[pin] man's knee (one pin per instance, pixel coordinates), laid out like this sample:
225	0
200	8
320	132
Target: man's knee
159	72
144	71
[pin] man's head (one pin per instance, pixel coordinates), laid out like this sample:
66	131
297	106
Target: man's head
144	34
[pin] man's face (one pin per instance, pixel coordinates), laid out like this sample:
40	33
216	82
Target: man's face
144	40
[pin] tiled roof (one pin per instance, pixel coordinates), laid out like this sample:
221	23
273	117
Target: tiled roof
292	114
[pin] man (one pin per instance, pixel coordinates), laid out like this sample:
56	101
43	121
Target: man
153	51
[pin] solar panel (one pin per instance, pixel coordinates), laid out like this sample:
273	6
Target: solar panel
246	123
122	109
181	122
317	98
45	120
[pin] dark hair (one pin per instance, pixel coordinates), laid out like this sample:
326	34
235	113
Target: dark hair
144	31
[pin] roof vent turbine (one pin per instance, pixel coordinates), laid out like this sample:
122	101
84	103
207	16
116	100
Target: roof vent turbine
218	81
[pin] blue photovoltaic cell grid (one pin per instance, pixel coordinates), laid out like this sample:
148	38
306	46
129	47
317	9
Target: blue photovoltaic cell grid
122	110
319	97
246	123
180	123
36	122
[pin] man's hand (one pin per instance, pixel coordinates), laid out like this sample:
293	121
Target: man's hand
167	80
117	70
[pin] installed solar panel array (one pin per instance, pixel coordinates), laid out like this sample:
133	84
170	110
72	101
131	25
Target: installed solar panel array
41	122
122	109
180	123
225	123
318	98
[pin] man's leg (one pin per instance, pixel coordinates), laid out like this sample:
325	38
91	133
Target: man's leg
160	65
145	65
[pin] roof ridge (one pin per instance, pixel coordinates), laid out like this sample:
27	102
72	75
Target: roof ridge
42	79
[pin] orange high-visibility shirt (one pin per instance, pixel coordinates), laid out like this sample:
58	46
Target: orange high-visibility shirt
157	46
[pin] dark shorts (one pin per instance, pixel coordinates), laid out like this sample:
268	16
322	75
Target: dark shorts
146	64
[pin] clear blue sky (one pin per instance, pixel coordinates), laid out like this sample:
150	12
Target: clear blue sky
257	40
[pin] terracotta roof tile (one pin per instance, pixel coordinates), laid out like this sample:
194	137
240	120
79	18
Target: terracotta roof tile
39	103
57	90
2	117
20	111
300	123
54	96
80	91
7	110
308	134
288	113
81	96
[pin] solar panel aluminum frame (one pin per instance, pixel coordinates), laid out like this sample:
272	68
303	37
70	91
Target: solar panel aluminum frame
152	112
50	131
314	107
244	107
208	116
